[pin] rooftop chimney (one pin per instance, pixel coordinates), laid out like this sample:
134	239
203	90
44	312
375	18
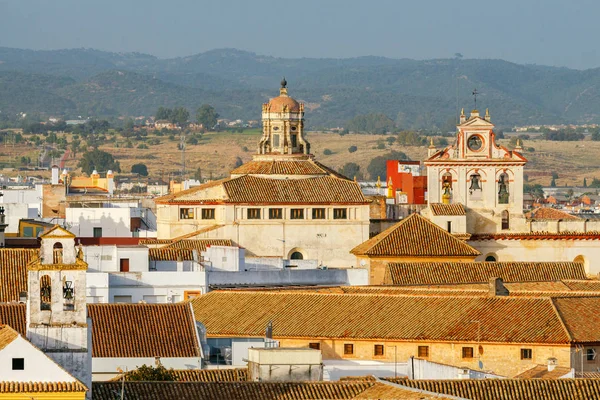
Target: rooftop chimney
55	175
497	288
552	363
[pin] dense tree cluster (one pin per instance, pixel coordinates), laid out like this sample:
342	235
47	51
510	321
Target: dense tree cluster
375	123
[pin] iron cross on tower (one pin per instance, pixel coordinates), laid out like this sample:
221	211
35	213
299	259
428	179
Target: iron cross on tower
475	93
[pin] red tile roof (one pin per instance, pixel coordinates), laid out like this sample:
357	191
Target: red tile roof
305	166
143	330
41	387
510	389
590	235
372	316
433	273
13	272
542	372
447	209
549	213
14	315
415	236
252	189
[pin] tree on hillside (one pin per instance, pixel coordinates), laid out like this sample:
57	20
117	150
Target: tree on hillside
163	113
376	123
584	182
98	159
139	169
75	143
207	116
180	116
377	167
351	170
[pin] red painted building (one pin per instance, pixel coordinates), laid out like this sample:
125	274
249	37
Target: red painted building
405	182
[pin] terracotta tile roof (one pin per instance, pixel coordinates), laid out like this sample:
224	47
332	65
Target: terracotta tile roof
305	166
590	235
581	316
155	241
170	254
372	316
230	390
511	389
253	189
7	335
13	272
432	273
415	236
583	285
41	387
550	213
198	244
143	330
202	375
541	372
588	375
386	391
447	209
14	315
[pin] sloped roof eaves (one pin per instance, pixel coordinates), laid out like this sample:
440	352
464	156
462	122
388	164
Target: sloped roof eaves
413	237
13	272
358	316
433	273
321	190
456	209
581	317
14	315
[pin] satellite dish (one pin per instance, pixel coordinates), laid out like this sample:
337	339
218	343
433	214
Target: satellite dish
480	364
363	263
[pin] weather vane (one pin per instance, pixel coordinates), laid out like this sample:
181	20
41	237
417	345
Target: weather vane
475	93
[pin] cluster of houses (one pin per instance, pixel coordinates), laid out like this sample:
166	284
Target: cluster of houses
285	280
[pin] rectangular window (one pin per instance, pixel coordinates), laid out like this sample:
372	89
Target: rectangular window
449	226
186	213
18	364
467	352
526	354
590	354
97	232
294	140
348	349
28	231
38	231
254	213
423	352
275	140
122	299
297	213
315	345
208	213
318	213
275	213
378	350
340	213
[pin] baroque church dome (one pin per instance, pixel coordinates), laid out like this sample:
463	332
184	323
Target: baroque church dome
283	102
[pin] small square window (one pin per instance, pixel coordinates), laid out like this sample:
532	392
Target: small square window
526	354
254	213
378	350
297	213
208	213
423	352
97	232
18	364
348	349
315	345
340	213
275	213
467	352
186	213
318	213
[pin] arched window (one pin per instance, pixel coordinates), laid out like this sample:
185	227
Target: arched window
58	253
490	258
503	193
45	293
505	220
446	187
296	256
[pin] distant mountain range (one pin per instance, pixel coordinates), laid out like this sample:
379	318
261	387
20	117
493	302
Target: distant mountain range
417	94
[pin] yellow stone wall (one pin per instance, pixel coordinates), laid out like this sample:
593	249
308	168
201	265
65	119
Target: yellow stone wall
501	359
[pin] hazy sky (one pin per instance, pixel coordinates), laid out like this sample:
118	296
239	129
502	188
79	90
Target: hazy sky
550	32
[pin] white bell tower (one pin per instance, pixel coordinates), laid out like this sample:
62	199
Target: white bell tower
56	304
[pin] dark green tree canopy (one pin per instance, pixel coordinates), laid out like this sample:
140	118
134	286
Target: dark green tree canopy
207	116
99	160
377	167
371	123
149	373
139	169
